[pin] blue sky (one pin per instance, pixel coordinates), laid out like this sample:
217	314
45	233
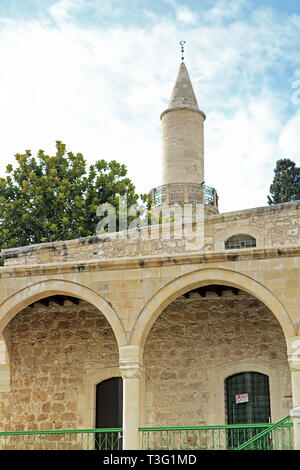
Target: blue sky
96	74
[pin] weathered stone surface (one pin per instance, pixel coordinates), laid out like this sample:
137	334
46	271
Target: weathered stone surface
271	226
191	338
48	367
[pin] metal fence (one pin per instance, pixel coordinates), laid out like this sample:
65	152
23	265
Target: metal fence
266	436
223	437
82	439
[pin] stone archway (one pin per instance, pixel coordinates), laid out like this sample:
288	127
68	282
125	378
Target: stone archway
59	337
196	336
21	299
33	293
203	277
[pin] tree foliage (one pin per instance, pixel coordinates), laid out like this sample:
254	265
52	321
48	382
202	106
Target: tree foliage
286	183
52	198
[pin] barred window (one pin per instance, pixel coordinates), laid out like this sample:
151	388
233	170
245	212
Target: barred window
240	241
247	399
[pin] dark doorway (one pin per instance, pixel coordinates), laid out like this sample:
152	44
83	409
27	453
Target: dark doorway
109	413
247	402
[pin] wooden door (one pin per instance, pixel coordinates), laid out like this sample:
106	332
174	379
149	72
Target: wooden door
109	412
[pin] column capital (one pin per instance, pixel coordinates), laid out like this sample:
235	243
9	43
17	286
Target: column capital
132	371
295	415
131	364
295	412
293	352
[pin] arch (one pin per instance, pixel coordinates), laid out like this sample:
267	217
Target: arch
254	232
21	299
199	278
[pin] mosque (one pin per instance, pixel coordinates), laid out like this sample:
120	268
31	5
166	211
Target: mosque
184	331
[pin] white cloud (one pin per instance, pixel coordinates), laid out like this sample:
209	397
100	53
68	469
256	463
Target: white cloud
289	140
186	16
76	86
101	90
223	9
243	148
63	9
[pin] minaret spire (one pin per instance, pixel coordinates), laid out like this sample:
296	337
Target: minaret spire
183	95
182	134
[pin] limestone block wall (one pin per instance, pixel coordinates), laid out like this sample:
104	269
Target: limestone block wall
272	226
196	343
53	350
277	225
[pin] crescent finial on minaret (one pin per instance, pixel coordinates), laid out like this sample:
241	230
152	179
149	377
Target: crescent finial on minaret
182	43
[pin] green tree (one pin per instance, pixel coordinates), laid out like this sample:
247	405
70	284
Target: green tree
286	183
52	198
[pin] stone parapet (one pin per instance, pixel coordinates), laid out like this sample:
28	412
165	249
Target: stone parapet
273	227
248	255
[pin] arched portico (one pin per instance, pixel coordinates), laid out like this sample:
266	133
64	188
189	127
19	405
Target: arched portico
21	299
66	344
193	335
190	281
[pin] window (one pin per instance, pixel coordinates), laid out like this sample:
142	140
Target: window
240	241
247	398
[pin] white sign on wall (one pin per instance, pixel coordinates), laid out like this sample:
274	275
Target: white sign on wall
242	398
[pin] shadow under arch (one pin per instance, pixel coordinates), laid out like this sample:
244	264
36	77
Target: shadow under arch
26	296
199	278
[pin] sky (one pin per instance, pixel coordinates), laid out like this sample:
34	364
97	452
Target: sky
96	74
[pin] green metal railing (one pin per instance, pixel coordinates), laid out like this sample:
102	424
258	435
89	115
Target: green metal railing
265	436
81	439
275	436
223	437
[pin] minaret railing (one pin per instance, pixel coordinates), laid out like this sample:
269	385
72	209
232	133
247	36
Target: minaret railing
184	193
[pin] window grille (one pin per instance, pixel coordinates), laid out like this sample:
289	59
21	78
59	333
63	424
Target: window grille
240	241
256	407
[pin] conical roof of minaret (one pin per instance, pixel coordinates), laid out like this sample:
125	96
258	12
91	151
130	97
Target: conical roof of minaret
183	95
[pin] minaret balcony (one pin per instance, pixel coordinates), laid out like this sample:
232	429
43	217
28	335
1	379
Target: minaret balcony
185	193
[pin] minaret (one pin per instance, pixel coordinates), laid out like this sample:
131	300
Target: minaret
182	134
182	180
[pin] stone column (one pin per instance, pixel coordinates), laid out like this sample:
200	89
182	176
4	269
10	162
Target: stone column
133	377
4	363
295	414
294	363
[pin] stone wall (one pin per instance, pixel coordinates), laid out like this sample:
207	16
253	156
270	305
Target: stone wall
277	225
196	338
272	226
52	348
